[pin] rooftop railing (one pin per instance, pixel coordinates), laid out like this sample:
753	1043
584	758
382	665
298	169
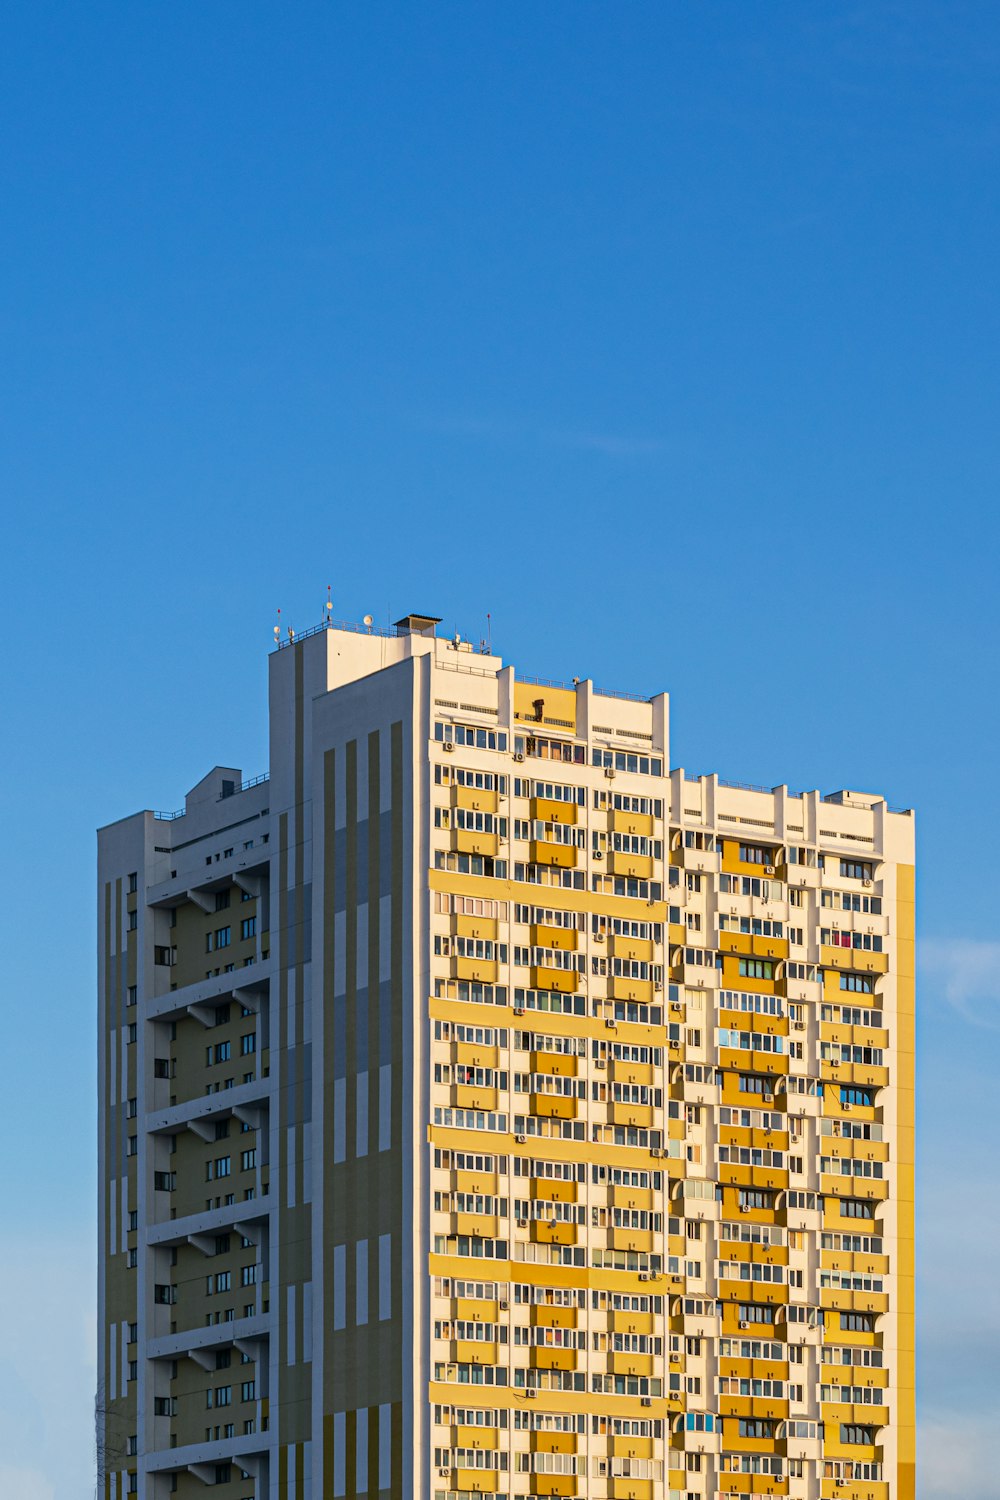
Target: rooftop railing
353	626
571	687
244	786
625	697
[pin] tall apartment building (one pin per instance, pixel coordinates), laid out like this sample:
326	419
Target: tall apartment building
488	1110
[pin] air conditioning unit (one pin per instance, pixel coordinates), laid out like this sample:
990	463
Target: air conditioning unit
744	1208
800	1025
866	882
530	1394
643	1275
768	1098
598	854
519	1010
674	1046
504	1304
598	937
846	1108
655	1151
675	1005
448	745
609	772
675	1359
522	1140
657	986
744	1325
768	869
646	1401
522	1223
519	756
444	1473
610	1024
677	1278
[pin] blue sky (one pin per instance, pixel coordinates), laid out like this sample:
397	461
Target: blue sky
667	334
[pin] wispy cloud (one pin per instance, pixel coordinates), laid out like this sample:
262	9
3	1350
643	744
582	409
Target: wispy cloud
966	973
47	1367
957	1457
616	445
511	430
26	1484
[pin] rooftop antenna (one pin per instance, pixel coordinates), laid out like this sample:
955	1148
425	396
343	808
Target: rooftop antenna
277	630
489	632
329	607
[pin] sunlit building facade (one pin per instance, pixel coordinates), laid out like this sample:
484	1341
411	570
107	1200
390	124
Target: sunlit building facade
487	1109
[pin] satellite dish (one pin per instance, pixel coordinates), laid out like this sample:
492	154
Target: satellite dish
369	621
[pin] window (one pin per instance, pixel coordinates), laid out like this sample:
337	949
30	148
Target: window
133	921
756	968
133	882
755	1427
220	1167
221	900
248	1275
756	854
857	1208
856	1322
756	1198
248	928
856	869
248	1390
851	1094
248	1160
756	1312
467	734
248	1043
852	1432
624	760
221	1396
220	938
862	984
132	995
